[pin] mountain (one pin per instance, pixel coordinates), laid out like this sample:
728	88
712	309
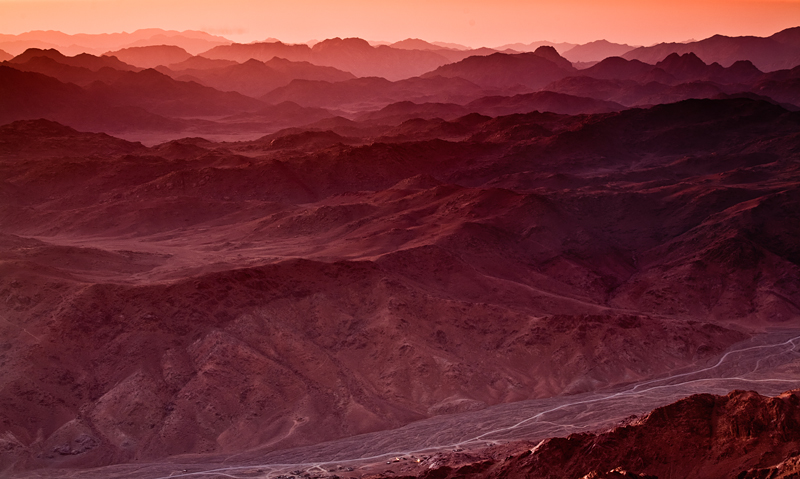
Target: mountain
742	434
5	56
160	94
45	138
350	54
360	58
617	68
452	54
674	69
200	63
596	51
530	47
779	51
529	71
308	71
417	44
146	102
151	56
494	268
192	41
255	78
263	51
688	67
370	93
201	297
407	110
82	60
30	95
783	91
451	46
541	101
81	76
624	92
677	77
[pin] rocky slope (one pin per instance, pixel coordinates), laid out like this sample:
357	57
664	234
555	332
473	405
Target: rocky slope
742	435
199	297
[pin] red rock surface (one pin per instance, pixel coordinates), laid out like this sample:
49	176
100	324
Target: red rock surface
201	297
743	435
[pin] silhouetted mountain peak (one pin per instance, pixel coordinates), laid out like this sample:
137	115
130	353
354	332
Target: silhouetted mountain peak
341	43
152	55
84	60
777	52
744	67
30	53
415	44
676	59
550	53
596	51
684	66
547	51
615	62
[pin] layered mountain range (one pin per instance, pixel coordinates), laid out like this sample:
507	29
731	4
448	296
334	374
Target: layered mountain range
194	41
212	259
240	91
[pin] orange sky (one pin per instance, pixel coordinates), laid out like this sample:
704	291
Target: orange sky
469	22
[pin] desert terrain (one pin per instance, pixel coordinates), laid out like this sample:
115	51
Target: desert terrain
273	260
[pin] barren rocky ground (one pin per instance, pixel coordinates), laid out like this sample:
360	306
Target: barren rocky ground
226	301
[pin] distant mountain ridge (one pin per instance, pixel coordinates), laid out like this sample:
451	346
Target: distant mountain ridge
531	47
679	77
221	96
256	78
776	52
500	70
403	59
83	60
190	40
151	56
354	55
595	51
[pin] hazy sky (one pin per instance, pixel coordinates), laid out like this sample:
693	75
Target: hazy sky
469	22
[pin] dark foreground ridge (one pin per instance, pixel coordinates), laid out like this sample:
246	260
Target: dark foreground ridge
742	435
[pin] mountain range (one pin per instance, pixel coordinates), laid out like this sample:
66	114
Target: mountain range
193	41
196	94
414	259
195	269
776	52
